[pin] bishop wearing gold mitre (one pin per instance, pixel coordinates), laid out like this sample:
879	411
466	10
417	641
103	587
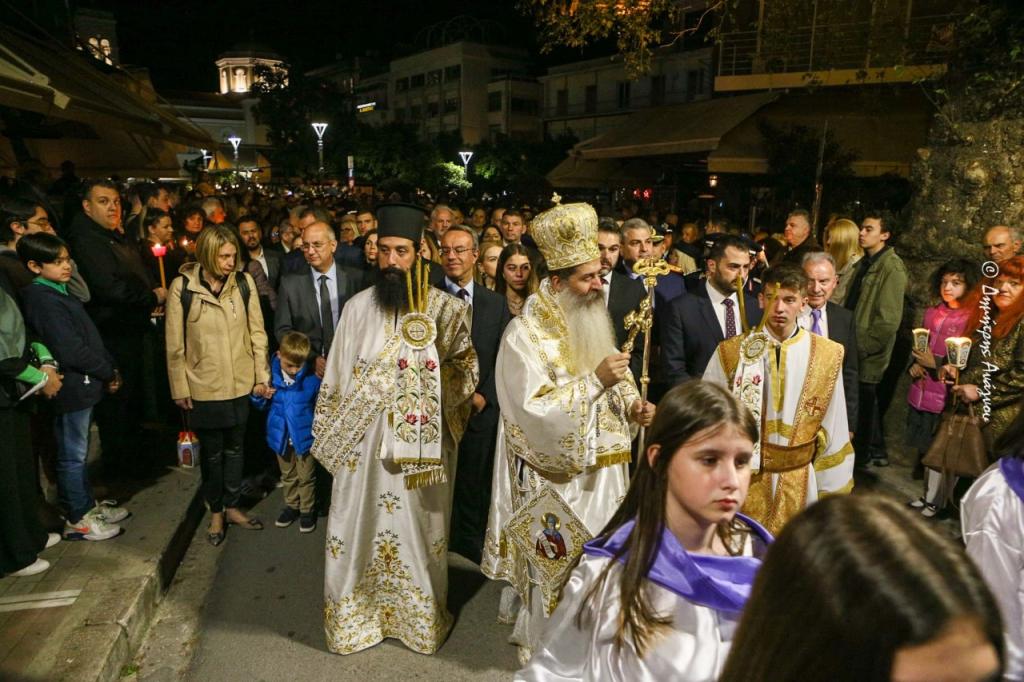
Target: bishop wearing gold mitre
392	408
791	379
570	410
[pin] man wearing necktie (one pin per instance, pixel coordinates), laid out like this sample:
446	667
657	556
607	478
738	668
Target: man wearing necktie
832	321
459	252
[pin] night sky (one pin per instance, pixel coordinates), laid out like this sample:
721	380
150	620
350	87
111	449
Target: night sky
180	39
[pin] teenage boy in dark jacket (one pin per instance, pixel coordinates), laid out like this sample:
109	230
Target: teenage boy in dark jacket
67	330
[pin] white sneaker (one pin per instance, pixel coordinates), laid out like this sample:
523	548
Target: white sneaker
90	527
52	539
38	566
110	512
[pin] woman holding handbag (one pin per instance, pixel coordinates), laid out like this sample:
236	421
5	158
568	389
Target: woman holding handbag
993	381
216	357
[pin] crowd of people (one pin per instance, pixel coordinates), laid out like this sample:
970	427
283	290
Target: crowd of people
432	377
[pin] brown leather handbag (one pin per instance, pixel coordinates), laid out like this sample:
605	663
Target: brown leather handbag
959	446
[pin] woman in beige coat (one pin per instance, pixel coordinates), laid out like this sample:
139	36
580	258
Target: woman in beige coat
216	357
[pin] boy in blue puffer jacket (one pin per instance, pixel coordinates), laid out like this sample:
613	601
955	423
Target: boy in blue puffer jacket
290	428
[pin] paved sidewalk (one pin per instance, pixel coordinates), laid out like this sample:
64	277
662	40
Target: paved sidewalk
82	619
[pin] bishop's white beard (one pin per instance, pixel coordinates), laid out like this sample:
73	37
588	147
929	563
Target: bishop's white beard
591	336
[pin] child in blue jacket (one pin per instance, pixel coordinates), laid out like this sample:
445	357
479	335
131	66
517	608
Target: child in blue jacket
290	428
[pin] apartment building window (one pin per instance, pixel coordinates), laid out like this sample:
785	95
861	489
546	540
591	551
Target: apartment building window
401	84
434	77
417	81
451	105
657	90
494	101
433	108
624	94
590	100
562	103
694	83
523	105
452	73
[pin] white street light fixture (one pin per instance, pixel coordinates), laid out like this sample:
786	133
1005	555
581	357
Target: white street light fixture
465	156
319	129
235	140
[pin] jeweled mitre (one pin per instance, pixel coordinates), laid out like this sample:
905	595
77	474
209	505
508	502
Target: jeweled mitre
566	235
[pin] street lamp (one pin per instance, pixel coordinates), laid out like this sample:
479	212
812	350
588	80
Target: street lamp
465	156
319	129
235	140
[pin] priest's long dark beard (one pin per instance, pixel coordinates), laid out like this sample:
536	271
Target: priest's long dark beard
390	292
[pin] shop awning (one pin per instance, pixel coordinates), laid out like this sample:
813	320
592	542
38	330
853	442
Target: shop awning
578	173
48	78
696	127
883	128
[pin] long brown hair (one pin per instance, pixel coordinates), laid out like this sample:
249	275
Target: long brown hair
847	583
500	285
685	411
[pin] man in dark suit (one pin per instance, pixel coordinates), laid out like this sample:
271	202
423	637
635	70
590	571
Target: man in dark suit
622	294
252	238
835	322
692	325
459	252
300	302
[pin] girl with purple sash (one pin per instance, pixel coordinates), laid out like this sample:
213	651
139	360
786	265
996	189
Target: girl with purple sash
992	519
657	595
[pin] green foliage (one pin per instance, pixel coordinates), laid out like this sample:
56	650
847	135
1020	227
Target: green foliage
517	166
635	25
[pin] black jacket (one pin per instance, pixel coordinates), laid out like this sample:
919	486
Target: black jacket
690	334
842	330
297	307
69	334
122	292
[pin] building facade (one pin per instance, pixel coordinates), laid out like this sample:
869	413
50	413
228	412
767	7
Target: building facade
591	97
471	89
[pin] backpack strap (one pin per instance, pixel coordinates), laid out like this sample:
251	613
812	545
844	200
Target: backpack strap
186	301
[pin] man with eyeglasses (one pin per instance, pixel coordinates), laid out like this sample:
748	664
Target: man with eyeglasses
459	253
305	297
393	406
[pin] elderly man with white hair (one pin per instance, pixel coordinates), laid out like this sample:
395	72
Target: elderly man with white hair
569	410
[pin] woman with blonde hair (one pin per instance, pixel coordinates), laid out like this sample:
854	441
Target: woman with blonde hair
216	357
841	241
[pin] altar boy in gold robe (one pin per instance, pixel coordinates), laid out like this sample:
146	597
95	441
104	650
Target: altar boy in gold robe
791	379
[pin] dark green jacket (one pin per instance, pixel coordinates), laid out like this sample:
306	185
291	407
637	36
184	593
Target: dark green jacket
879	313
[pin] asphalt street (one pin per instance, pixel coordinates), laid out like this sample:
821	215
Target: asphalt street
263	617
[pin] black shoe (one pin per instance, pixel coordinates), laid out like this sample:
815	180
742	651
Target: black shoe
287	517
215	538
307	523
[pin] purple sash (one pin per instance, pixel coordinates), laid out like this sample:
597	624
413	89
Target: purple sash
721	583
1013	472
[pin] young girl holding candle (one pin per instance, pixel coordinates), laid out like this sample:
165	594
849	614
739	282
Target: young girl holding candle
657	594
950	283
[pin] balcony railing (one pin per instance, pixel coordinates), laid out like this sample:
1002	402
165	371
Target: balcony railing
612	107
822	47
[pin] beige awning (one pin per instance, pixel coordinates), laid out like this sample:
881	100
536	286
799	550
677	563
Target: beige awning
64	84
696	127
885	134
578	173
